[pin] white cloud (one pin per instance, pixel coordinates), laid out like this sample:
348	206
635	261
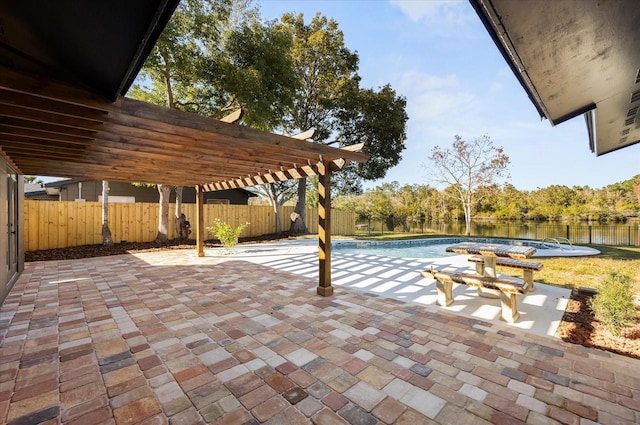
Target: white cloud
496	88
433	97
415	80
448	12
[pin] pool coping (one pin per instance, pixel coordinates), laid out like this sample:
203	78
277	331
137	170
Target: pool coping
541	250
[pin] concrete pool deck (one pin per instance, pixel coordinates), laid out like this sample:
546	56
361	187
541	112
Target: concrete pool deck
540	311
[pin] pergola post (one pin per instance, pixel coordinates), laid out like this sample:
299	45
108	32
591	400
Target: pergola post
324	230
200	220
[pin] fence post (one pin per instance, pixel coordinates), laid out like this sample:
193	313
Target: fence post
589	235
629	235
568	232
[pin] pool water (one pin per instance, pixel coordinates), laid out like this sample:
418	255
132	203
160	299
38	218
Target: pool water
417	248
399	251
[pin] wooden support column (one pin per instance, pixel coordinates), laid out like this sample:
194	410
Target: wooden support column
200	220
324	230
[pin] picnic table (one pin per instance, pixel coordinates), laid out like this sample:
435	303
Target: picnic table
486	256
491	251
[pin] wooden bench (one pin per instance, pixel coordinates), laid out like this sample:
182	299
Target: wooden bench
508	290
527	267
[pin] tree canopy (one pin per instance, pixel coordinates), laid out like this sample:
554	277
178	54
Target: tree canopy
409	203
287	76
330	100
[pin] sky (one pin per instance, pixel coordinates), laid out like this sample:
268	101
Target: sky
439	56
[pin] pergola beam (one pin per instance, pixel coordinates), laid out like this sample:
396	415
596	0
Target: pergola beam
278	176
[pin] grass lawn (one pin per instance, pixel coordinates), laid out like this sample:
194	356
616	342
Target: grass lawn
567	272
590	271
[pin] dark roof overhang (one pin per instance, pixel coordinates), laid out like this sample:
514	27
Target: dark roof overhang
574	57
98	45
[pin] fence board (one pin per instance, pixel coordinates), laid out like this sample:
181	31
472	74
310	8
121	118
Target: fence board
55	224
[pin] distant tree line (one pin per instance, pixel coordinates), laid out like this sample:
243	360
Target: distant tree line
402	206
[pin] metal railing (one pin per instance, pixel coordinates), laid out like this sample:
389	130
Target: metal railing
614	235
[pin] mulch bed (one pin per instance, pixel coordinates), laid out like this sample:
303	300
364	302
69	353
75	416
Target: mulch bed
579	326
89	251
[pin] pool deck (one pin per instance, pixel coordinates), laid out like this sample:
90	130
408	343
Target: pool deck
540	311
172	338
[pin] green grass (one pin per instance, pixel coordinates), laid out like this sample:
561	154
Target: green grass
589	272
364	235
566	272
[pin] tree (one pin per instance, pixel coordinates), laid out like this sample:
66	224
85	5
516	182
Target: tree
256	73
377	119
163	218
107	240
467	168
211	57
329	99
173	70
33	179
276	194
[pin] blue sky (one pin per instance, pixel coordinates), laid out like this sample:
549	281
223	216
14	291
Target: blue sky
439	56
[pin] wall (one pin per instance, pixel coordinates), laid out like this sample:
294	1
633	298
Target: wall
54	224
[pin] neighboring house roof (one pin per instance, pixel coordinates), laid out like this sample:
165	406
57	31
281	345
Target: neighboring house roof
573	58
37	191
33	187
63	182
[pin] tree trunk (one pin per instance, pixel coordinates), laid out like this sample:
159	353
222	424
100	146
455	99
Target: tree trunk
298	219
467	218
107	240
273	198
276	210
181	222
163	219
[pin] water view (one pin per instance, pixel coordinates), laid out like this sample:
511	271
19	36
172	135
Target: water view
627	234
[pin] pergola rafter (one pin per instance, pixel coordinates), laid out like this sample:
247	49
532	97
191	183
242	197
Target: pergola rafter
48	124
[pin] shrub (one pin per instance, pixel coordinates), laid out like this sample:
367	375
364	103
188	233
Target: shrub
613	304
227	235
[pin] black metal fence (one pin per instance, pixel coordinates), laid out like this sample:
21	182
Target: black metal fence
597	234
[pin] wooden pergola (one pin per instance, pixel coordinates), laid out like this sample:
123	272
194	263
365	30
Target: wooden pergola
48	127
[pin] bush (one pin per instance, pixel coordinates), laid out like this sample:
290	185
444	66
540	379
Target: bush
227	235
613	304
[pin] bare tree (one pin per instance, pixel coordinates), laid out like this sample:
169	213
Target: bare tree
468	168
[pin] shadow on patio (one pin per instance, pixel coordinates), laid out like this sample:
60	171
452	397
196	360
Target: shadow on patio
172	338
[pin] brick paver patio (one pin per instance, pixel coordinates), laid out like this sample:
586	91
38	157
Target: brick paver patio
168	337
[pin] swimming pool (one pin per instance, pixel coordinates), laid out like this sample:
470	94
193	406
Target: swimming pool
416	248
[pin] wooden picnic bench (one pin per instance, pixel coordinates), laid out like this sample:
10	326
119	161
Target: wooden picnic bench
508	289
527	267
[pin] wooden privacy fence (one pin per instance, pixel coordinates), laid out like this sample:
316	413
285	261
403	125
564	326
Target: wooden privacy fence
56	224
